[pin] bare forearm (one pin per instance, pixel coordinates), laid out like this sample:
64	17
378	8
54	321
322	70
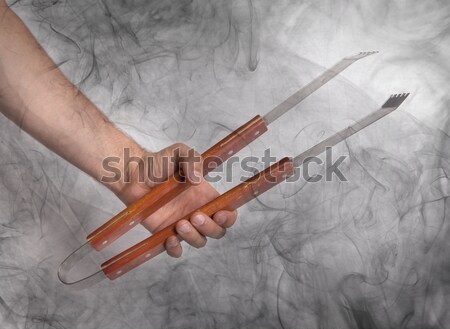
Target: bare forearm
36	96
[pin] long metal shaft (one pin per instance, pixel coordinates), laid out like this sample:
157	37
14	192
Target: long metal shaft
389	106
311	87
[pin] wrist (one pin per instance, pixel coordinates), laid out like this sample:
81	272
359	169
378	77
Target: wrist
120	168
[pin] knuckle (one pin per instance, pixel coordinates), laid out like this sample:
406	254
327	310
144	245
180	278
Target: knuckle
229	223
175	254
180	145
220	234
200	244
184	228
183	148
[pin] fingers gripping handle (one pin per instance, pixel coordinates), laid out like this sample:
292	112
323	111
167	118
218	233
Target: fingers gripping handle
233	199
136	212
175	185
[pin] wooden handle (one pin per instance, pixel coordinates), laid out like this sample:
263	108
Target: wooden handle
175	185
233	143
233	199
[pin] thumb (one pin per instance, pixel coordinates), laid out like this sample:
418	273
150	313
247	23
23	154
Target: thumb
191	164
179	157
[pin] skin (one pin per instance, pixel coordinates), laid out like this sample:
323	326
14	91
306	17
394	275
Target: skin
36	96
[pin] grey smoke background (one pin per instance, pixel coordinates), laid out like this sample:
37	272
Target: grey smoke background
367	253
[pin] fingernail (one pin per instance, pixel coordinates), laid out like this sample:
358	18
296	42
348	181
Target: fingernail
172	243
185	228
198	173
196	177
198	219
220	219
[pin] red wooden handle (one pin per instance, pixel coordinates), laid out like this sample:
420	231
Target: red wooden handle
233	199
233	143
165	192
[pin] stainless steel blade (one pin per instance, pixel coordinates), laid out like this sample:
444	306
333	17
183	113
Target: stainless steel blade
389	106
69	263
311	87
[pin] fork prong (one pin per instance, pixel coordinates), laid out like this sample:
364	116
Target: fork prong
395	100
362	54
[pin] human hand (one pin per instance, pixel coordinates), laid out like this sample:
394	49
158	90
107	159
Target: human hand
157	167
37	96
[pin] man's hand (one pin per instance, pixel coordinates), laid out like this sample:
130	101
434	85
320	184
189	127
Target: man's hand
161	165
36	95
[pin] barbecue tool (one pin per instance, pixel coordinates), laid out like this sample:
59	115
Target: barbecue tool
212	158
231	200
